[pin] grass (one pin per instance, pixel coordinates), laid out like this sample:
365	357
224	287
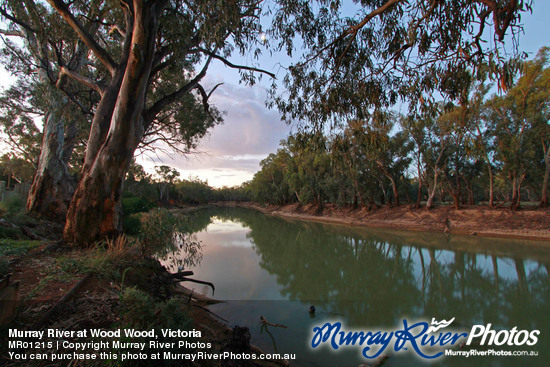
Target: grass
10	247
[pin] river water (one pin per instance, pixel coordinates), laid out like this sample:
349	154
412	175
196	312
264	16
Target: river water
369	280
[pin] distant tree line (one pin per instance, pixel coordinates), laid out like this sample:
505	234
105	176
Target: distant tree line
494	149
166	188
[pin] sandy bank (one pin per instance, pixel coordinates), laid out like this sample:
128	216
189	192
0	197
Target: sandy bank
532	224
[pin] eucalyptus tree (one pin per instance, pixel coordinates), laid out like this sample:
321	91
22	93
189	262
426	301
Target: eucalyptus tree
429	147
456	122
34	41
270	184
413	126
540	105
379	151
519	121
308	170
345	170
374	53
19	132
15	168
481	136
146	61
166	177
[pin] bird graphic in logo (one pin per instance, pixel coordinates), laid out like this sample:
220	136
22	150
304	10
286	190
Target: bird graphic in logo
439	325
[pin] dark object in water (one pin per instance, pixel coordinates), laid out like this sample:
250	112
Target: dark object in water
312	309
264	321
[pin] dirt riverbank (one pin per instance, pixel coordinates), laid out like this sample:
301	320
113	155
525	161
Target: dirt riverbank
533	224
53	290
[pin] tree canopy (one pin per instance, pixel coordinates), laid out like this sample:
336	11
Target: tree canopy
484	147
376	53
144	62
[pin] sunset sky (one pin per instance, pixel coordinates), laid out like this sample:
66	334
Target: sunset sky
231	153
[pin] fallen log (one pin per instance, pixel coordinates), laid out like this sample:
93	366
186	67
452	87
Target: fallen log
264	321
30	234
179	289
182	274
44	319
184	279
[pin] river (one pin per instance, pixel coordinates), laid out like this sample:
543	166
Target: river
369	280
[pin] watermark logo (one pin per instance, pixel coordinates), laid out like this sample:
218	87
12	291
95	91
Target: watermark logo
503	337
428	341
439	325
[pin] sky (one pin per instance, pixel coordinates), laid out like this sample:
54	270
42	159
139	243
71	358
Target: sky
231	152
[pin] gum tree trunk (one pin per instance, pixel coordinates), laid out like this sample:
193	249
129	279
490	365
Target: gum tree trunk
52	187
94	212
431	197
491	187
395	190
544	196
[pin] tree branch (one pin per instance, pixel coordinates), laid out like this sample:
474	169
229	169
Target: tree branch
368	17
17	21
6	32
98	51
231	65
81	79
206	96
351	30
116	28
159	105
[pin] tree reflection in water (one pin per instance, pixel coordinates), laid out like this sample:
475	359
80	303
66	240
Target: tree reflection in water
375	277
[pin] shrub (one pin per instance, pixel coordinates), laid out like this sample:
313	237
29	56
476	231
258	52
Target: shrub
134	204
131	224
157	230
139	311
164	233
14	210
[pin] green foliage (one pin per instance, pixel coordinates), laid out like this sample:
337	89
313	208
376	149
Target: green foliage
134	204
131	224
157	231
132	207
14	169
139	311
17	247
493	149
193	191
165	235
356	58
14	207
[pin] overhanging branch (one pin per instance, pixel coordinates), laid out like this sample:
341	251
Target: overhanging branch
231	65
159	105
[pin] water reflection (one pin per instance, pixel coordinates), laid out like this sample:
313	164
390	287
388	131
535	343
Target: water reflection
371	277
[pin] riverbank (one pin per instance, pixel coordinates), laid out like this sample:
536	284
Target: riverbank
113	286
532	224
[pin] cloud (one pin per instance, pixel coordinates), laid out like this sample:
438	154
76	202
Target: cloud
232	152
